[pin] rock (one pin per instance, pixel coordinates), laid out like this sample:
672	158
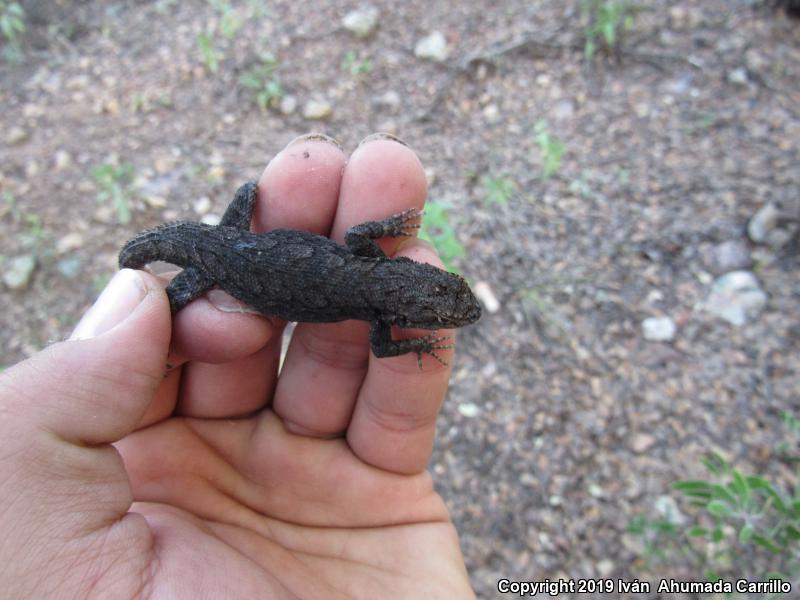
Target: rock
432	47
469	410
739	76
605	567
642	442
202	205
154	201
17	272
362	22
71	241
16	135
668	510
70	267
659	329
389	99
317	110
735	297
763	222
731	255
288	104
485	294
564	109
62	159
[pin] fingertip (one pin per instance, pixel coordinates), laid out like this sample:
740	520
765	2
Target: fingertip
204	332
299	188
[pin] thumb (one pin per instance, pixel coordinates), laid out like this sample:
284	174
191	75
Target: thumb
95	388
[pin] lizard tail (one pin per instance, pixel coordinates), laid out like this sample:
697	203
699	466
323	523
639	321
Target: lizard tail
170	243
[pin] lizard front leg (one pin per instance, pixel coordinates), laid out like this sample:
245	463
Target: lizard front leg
380	339
361	238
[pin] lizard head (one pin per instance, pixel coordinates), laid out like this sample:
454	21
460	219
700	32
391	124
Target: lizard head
436	299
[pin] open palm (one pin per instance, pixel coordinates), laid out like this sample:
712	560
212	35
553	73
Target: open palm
233	482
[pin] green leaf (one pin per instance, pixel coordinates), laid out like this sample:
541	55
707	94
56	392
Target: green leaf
746	533
698	531
739	486
766	543
693	487
718	508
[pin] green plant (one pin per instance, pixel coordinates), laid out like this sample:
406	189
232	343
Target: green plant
497	190
29	222
355	65
229	23
438	229
263	80
114	181
784	447
582	186
12	24
552	149
743	526
208	53
606	20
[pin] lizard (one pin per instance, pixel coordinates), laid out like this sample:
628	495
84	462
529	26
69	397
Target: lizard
300	276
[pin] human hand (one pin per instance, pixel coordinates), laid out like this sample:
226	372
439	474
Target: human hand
225	480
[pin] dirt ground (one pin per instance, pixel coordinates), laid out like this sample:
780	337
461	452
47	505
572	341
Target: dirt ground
562	422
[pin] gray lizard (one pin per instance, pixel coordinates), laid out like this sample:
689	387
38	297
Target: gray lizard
300	276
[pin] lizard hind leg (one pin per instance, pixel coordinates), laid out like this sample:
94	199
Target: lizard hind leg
192	282
188	285
240	211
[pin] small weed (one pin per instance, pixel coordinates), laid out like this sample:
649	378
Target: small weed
744	525
606	20
209	55
497	190
581	186
229	24
354	65
551	148
32	232
266	84
114	181
12	24
438	229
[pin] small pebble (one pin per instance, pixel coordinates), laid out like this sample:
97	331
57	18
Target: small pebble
202	205
484	293
17	272
70	267
288	104
642	442
763	222
432	47
469	410
317	110
658	329
16	135
731	255
735	297
390	99
71	241
361	22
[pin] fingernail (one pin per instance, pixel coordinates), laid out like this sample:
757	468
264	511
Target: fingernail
381	136
224	302
116	302
315	137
